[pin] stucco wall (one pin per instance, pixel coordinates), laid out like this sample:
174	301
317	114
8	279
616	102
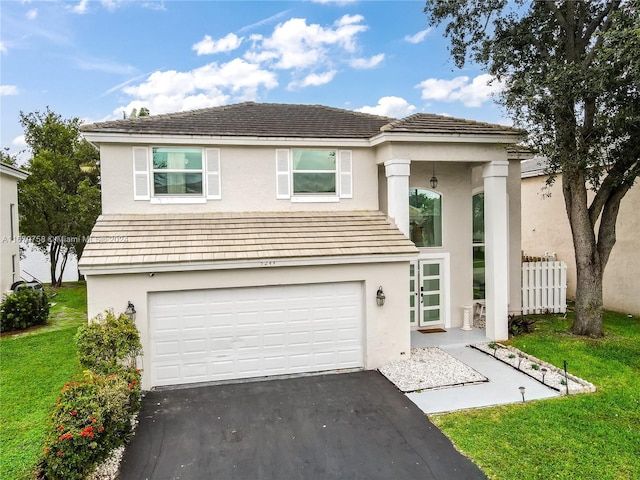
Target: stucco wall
545	228
386	329
8	247
248	183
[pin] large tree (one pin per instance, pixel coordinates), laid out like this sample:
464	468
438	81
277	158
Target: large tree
60	200
571	76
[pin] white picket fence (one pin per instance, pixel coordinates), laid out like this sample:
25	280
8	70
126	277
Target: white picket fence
544	287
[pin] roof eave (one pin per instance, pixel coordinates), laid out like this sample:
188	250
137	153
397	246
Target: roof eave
13	171
501	138
236	264
98	138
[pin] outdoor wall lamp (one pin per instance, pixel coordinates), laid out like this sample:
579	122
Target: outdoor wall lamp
380	297
521	392
130	311
434	180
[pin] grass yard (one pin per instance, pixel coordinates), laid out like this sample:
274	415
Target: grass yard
589	436
34	366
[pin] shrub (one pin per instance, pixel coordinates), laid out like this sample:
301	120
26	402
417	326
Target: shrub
23	309
108	344
93	414
92	417
519	324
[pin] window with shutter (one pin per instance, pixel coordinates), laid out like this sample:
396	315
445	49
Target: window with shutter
213	173
346	182
308	175
141	173
283	189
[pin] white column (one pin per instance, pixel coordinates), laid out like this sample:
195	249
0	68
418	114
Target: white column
397	172
496	237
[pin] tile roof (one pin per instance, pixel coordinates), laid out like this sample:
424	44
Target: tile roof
253	119
429	123
293	121
128	240
534	167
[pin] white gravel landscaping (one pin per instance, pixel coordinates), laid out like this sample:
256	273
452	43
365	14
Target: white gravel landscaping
427	368
543	372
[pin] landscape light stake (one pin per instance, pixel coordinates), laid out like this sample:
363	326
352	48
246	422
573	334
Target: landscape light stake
566	377
544	372
522	393
520	357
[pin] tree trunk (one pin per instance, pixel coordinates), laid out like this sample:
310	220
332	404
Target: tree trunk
54	251
588	319
589	270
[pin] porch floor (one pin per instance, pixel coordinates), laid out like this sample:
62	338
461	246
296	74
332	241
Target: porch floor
503	384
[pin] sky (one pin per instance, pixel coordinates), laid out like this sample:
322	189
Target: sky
95	59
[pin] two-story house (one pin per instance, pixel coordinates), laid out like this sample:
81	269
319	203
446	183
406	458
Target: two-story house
9	235
268	239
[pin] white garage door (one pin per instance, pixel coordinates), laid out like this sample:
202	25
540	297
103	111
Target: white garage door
209	335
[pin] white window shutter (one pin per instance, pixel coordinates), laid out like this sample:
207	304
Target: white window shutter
346	178
141	190
283	181
213	173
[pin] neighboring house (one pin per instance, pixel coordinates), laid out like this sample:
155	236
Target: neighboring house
9	233
545	229
253	239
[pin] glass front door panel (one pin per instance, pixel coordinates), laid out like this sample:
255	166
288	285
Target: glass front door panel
413	294
426	294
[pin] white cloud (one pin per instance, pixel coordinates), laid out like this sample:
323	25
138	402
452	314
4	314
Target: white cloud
103	65
32	14
395	107
81	8
8	90
264	21
208	45
3	47
296	45
418	37
19	141
459	89
313	80
365	63
206	86
111	5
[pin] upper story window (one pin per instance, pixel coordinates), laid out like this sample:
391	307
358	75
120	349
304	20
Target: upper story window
313	175
177	171
425	217
176	174
314	172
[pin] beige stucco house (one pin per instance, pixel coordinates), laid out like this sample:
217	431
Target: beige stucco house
257	239
545	228
9	235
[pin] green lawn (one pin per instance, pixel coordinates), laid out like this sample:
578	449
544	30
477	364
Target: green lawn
589	436
34	366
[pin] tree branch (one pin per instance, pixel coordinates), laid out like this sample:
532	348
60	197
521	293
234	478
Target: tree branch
607	229
613	5
556	13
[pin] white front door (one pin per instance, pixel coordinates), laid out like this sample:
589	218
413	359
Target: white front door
427	285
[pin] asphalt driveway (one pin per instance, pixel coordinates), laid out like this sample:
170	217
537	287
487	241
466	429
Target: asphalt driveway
347	426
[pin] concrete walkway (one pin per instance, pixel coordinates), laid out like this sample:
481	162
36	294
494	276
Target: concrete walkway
502	387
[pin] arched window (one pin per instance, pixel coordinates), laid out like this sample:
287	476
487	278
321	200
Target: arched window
478	246
425	217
